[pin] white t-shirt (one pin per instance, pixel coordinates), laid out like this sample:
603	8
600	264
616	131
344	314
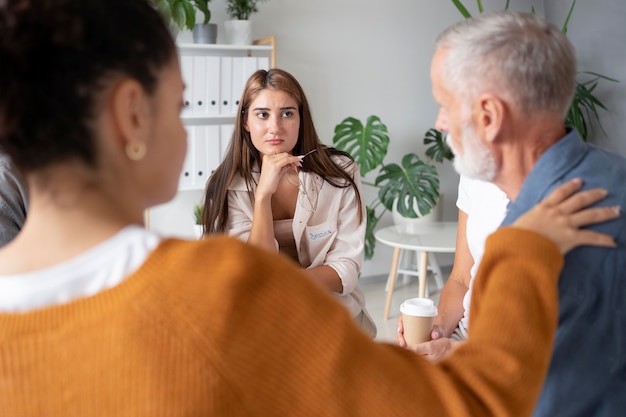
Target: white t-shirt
89	273
485	205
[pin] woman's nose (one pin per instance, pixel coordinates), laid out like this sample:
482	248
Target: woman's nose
274	124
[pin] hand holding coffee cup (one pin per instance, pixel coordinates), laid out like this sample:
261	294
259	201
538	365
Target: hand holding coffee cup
418	315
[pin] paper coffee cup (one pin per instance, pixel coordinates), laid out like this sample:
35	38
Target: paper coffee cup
418	315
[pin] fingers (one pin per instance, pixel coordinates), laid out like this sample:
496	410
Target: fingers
433	350
589	237
436	333
400	333
281	160
594	215
284	157
581	200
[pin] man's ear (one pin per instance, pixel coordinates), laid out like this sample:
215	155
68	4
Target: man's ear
130	112
489	113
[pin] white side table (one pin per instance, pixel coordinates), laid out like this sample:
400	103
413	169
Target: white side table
422	237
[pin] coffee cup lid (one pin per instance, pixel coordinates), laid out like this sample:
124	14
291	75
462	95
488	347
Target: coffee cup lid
423	307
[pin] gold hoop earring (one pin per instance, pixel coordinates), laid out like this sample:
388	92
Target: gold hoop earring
136	151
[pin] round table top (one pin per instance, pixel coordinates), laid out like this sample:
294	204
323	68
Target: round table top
426	236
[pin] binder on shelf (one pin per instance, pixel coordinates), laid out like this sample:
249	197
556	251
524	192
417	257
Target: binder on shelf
199	86
186	175
226	132
210	124
200	157
186	68
243	67
237	83
213	75
226	77
213	155
203	156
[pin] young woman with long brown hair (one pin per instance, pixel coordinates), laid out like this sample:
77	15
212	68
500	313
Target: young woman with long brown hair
280	188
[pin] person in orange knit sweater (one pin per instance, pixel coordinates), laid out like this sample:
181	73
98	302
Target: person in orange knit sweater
100	317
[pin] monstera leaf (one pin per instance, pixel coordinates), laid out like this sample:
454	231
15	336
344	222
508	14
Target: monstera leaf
437	148
415	183
367	144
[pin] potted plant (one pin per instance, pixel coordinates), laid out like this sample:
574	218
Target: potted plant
239	28
412	188
198	227
181	14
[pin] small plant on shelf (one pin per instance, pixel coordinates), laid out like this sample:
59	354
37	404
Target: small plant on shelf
182	13
198	227
242	9
197	213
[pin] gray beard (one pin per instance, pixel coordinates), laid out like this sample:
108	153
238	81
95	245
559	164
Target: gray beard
477	162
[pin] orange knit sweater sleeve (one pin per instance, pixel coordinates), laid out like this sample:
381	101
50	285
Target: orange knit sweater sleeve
298	354
220	328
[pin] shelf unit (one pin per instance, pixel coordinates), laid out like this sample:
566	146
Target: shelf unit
259	47
214	75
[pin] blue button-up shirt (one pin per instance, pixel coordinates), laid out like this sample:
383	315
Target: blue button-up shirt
587	375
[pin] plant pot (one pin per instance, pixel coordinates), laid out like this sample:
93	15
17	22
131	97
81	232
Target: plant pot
204	33
238	32
173	30
433	216
197	230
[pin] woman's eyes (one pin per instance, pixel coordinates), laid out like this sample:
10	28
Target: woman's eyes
285	114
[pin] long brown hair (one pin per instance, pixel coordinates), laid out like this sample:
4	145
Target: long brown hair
241	155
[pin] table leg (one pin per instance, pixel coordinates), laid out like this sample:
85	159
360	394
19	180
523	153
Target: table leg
423	269
393	271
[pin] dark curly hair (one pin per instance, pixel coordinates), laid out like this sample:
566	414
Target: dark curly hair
56	58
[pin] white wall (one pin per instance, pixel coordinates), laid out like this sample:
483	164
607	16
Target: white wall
363	57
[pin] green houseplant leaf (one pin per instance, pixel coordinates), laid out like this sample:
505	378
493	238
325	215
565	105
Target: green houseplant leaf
197	213
367	144
182	12
462	9
203	6
241	9
370	240
466	14
584	108
437	149
414	184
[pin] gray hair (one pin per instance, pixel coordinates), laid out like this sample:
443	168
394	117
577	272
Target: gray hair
518	55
